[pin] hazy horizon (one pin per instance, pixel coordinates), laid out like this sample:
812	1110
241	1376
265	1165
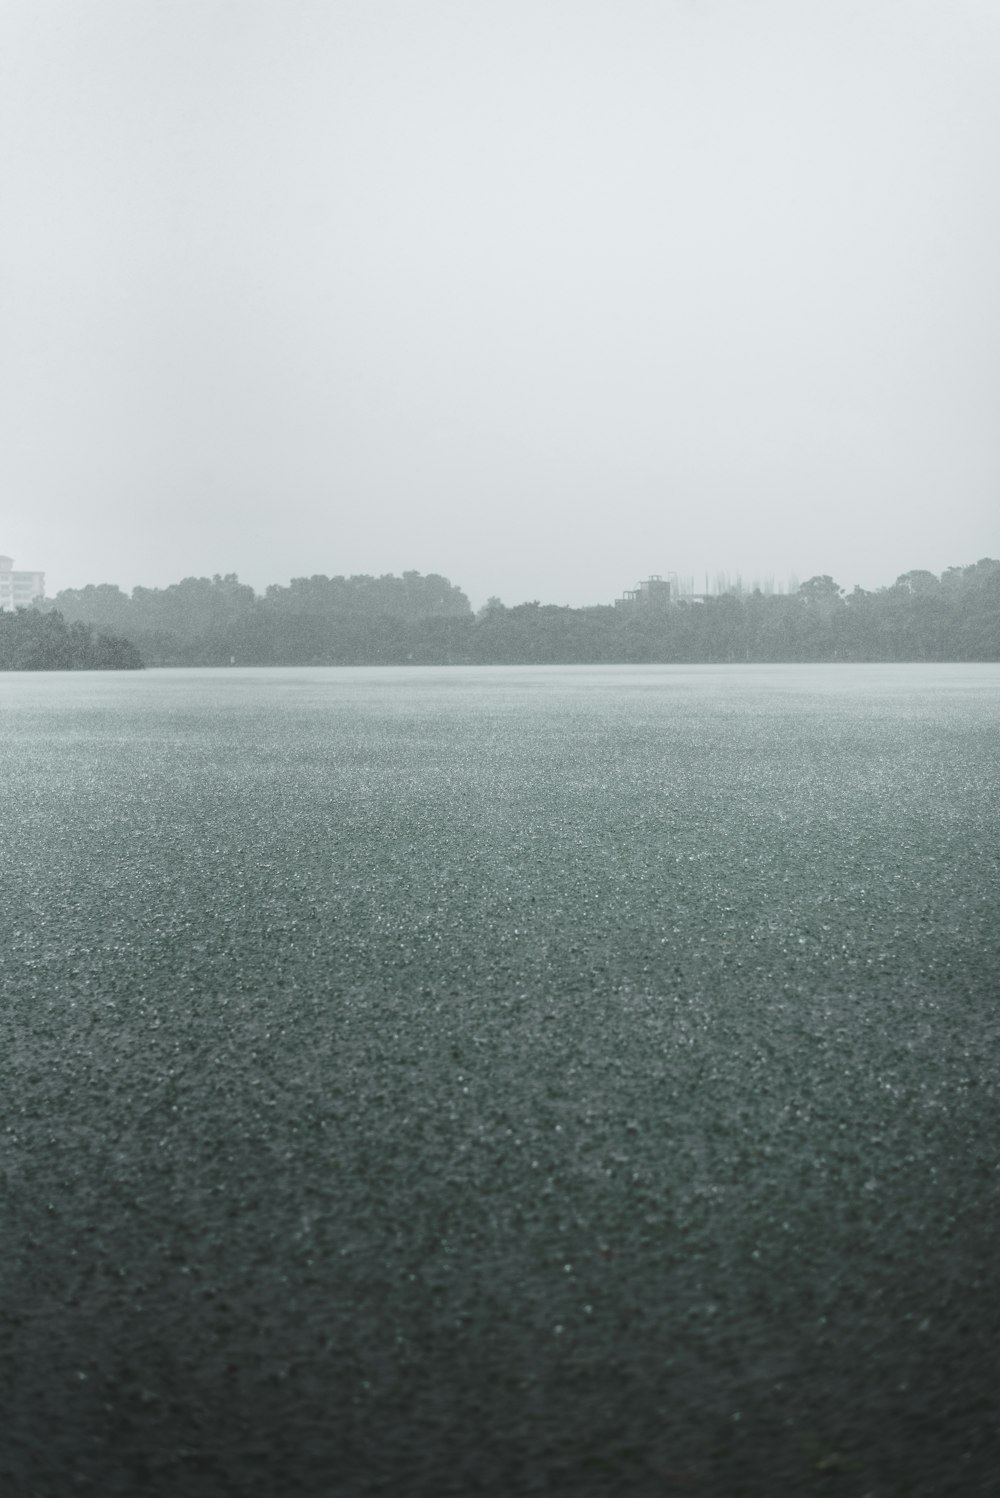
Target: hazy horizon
700	584
543	298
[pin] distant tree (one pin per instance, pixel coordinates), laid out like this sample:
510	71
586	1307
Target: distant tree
821	590
103	605
978	621
921	584
41	640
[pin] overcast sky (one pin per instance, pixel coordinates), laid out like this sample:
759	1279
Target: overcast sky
541	294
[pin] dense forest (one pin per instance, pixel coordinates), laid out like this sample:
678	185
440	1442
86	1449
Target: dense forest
427	620
42	640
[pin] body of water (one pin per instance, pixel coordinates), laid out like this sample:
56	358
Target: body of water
471	1081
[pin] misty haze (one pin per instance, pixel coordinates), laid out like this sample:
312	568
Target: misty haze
499	722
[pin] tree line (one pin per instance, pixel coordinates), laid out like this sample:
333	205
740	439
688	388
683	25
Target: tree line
426	620
43	640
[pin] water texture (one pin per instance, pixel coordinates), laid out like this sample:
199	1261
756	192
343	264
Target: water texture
496	1081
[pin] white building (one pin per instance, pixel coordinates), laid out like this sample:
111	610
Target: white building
19	589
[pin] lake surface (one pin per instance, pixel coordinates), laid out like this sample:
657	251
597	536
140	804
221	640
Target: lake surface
499	1080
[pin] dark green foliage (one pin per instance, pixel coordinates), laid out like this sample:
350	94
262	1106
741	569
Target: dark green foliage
426	620
37	640
920	618
315	621
197	622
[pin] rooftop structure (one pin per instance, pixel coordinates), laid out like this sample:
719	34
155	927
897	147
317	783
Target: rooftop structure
658	592
653	592
19	589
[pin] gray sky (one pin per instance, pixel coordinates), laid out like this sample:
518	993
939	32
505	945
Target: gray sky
540	294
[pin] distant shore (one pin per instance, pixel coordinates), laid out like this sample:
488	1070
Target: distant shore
417	619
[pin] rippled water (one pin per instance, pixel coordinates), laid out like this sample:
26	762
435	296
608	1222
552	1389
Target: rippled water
477	1080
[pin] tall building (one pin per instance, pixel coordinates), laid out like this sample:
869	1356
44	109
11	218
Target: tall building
19	589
